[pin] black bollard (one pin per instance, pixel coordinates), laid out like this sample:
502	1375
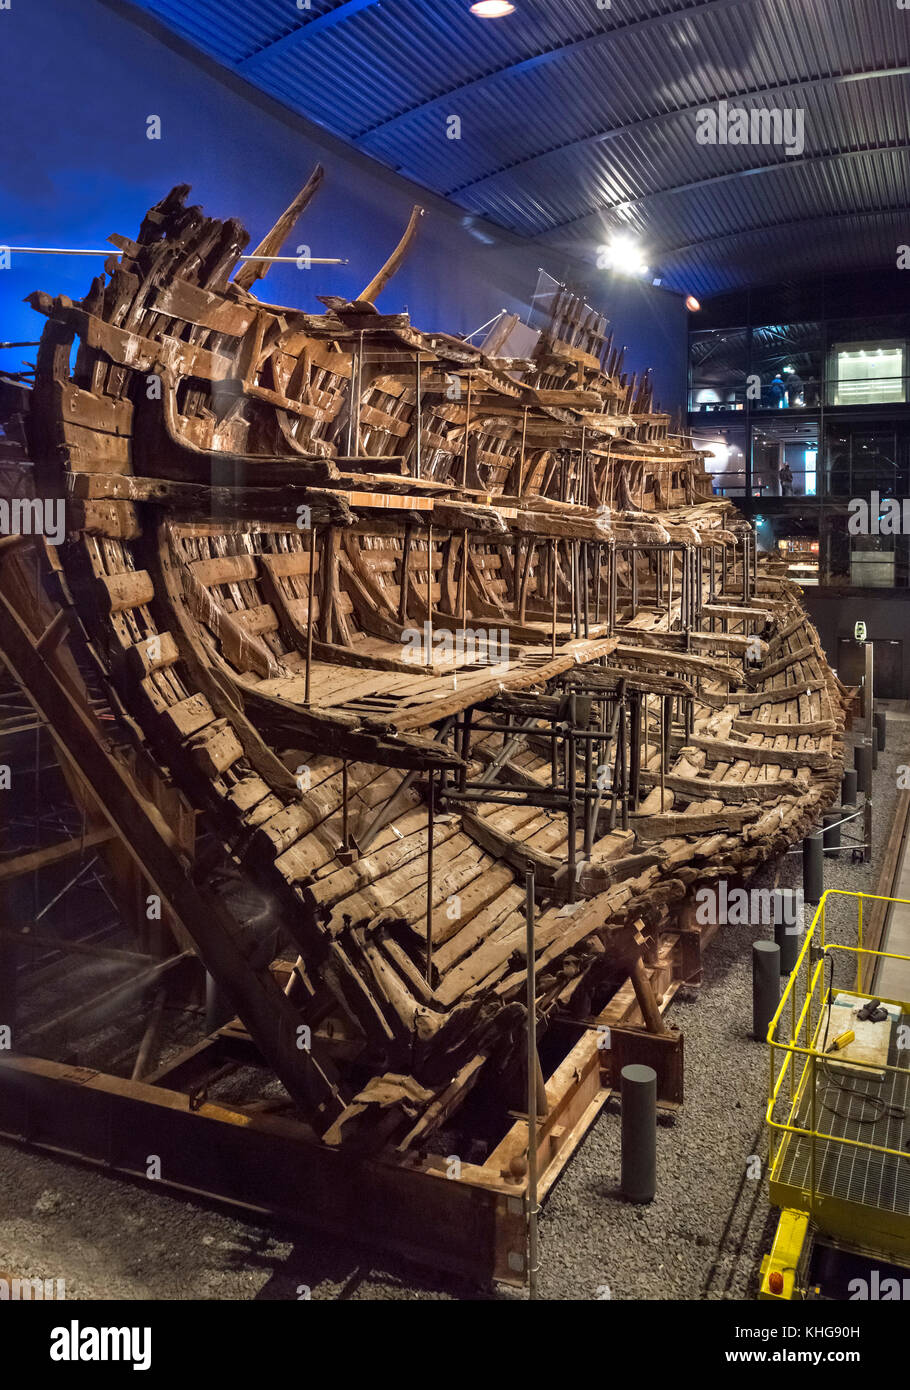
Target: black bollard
813	868
639	1132
865	764
765	986
831	833
787	916
881	725
848	788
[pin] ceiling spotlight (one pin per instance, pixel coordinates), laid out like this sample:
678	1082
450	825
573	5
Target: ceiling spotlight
692	304
492	9
622	255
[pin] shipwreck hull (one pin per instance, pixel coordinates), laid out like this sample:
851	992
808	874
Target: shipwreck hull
398	650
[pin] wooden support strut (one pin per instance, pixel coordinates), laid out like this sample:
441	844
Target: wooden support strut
140	825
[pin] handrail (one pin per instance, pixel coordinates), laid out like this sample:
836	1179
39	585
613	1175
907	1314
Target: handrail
802	1023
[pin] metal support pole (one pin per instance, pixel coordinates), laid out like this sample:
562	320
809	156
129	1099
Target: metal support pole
663	750
419	414
358	396
635	749
430	594
586	570
309	615
590	807
467	426
624	769
531	1009
870	749
572	558
553	569
638	1089
431	830
571	788
465	747
598	570
766	972
611	616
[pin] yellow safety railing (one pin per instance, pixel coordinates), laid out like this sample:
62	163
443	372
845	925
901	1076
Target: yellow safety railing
804	1001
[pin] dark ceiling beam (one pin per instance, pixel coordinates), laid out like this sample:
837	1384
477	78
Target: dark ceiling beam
648	122
277	47
552	55
781	164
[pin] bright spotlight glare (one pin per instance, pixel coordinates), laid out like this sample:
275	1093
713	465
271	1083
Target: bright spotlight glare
624	255
492	9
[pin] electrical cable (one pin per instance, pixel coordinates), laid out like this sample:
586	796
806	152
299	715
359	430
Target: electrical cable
881	1109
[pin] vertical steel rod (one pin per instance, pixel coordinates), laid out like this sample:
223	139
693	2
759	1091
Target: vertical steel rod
309	614
430	592
531	1004
419	412
431	810
572	789
467	426
553	544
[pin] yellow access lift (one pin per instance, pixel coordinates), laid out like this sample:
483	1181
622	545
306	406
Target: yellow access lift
839	1116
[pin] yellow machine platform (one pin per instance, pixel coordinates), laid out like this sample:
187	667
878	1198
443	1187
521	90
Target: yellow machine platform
839	1117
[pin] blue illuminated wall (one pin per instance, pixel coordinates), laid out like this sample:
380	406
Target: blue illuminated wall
79	82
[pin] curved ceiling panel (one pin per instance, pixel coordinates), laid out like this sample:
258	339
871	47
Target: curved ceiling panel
578	121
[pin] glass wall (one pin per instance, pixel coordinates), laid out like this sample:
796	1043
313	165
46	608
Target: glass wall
718	368
867	374
860	459
786	366
785	457
805	413
726	461
799	366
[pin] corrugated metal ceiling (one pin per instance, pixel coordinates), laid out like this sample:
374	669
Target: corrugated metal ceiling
578	121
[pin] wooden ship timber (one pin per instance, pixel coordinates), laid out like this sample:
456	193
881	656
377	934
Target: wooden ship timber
411	625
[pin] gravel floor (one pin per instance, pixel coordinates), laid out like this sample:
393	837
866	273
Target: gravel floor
702	1237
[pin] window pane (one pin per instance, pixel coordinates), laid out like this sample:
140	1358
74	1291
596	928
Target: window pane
867	373
787	366
726	460
718	363
785	457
